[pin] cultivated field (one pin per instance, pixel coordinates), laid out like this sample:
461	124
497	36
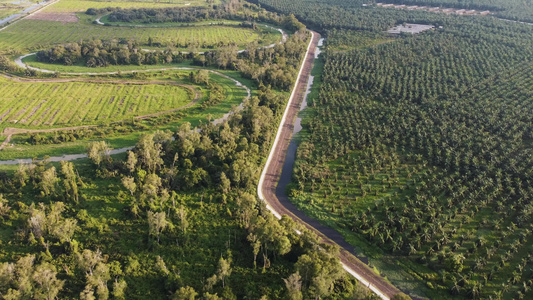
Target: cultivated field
36	104
65	21
193	114
36	34
83	5
57	17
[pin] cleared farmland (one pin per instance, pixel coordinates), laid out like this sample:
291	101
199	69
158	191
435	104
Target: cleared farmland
55	103
82	5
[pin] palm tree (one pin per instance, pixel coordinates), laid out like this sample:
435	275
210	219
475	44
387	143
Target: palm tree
456	288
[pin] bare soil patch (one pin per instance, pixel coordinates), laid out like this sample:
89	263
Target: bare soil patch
57	17
410	28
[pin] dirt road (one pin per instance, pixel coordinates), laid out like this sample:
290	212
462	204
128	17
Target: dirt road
279	204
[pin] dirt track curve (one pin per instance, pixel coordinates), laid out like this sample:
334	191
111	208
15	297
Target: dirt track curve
280	205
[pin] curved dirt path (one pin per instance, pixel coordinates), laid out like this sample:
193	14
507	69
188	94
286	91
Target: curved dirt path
279	204
21	64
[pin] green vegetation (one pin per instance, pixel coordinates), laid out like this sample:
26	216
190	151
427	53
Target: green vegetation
81	66
23	35
6	12
73	103
418	148
165	15
508	9
344	40
175	218
57	27
126	133
129	226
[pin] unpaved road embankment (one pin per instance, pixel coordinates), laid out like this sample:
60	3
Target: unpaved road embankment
278	203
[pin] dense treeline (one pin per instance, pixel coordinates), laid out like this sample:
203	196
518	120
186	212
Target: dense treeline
167	15
232	9
508	9
102	53
276	66
353	15
145	15
421	145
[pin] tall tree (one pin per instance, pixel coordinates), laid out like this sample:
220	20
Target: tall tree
157	222
224	270
149	153
48	286
294	286
185	293
69	180
48	181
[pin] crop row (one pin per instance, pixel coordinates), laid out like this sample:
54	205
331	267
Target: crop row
35	34
84	103
468	125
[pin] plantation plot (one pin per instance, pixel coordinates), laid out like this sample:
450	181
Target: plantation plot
54	103
37	34
434	186
58	17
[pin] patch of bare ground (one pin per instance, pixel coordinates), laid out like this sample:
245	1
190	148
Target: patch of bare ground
56	17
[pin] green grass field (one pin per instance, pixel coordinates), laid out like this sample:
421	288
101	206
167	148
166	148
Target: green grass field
27	35
65	21
35	104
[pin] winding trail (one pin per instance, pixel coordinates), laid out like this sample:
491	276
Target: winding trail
18	61
271	187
